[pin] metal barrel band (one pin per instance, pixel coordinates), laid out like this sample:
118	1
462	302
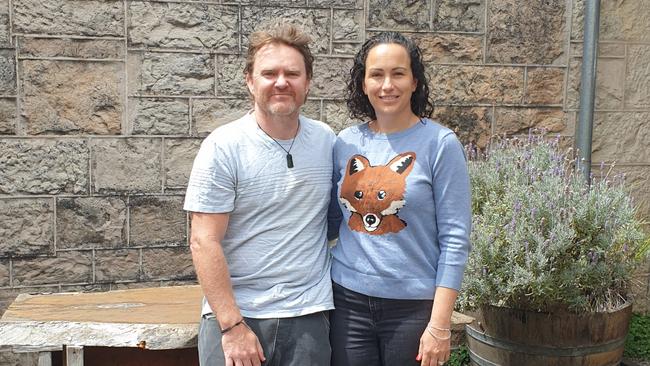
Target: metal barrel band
542	350
480	361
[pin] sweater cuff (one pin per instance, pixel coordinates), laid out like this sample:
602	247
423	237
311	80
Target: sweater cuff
450	276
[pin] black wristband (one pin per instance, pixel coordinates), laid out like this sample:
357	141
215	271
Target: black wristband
226	330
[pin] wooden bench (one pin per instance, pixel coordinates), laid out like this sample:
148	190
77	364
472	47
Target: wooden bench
148	326
156	326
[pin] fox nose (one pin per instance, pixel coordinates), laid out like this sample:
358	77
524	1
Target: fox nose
370	219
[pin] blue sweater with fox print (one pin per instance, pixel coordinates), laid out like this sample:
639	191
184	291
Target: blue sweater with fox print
401	206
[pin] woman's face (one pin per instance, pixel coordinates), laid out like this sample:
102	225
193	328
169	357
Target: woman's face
389	81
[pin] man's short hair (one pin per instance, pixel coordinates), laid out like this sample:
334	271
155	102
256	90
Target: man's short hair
280	33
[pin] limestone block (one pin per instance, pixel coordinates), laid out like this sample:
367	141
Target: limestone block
35	166
449	48
208	114
167	263
336	114
165	283
9	358
286	2
637	180
345	48
640	291
624	20
311	109
66	267
95	287
5	37
473	84
544	85
7	72
398	14
458	15
117	265
230	75
314	22
610	87
183	25
621	137
72	97
7	296
471	124
610	83
637	78
126	165
532	32
572	120
69	17
346	25
4	272
75	48
330	77
188	282
337	3
90	222
7	116
605	49
157	73
159	116
157	220
512	121
179	157
578	20
134	285
608	49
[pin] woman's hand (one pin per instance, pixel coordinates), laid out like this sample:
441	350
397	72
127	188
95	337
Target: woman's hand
435	342
435	346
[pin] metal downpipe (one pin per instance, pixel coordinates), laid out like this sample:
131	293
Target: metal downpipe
587	87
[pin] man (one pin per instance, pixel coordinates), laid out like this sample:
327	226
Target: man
258	196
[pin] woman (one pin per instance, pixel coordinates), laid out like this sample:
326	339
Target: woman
403	215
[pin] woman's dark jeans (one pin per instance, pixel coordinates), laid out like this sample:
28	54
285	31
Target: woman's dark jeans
373	331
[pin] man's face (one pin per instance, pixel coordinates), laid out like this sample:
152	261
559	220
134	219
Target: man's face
278	82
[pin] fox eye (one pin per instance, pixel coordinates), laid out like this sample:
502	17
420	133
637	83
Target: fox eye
381	195
358	195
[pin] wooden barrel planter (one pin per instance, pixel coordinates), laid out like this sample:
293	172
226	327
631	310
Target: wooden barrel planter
510	337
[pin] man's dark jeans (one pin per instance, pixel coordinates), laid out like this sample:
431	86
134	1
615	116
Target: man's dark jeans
298	341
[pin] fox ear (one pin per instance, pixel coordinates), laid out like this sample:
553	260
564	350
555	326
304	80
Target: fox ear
357	163
402	163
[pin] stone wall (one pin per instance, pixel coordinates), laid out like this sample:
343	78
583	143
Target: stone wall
103	105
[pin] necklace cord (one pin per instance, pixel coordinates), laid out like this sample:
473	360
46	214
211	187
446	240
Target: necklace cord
288	152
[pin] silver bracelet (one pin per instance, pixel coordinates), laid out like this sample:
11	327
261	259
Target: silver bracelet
431	328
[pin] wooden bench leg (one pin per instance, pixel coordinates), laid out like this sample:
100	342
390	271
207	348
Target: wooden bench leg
45	359
73	355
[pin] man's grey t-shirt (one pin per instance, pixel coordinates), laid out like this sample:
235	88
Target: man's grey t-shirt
275	244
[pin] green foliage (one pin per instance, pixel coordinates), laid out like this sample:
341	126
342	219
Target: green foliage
459	357
542	238
637	343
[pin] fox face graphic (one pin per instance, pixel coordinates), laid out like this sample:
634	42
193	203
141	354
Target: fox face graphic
374	194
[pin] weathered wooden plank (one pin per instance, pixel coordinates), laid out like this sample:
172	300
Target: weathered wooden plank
160	305
73	356
44	359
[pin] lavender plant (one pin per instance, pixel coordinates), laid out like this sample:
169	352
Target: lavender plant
542	239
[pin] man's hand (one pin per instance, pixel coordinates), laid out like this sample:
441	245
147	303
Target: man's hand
241	347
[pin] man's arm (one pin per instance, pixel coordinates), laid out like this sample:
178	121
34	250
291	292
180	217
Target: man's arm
240	344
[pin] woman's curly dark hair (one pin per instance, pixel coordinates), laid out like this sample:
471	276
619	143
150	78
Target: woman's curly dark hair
358	102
